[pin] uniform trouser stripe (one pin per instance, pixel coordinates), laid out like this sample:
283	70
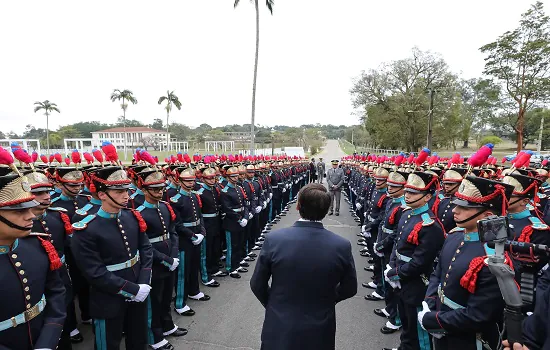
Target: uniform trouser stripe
423	336
204	272
100	335
228	254
151	338
180	291
270	211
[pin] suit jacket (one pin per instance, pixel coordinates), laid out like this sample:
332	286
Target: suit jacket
306	285
335	177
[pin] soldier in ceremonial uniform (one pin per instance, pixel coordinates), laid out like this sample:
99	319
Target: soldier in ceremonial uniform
277	186
335	180
419	242
375	215
55	224
524	227
190	229
116	257
236	213
71	180
33	295
385	242
211	206
463	305
159	217
259	203
94	204
451	180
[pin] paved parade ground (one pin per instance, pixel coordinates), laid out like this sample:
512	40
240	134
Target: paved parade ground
233	318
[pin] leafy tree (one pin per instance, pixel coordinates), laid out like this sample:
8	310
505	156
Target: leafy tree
495	140
269	4
48	107
122	122
125	96
519	60
157	124
86	128
170	99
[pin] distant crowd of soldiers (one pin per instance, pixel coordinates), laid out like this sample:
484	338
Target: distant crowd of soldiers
122	240
418	219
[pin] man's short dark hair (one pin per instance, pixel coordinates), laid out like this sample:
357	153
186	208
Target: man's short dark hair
313	202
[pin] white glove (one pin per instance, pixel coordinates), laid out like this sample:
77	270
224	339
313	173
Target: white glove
250	216
358	206
363	228
367	234
287	186
243	222
425	310
264	205
380	254
388	268
284	190
395	285
143	292
258	209
175	264
198	239
270	195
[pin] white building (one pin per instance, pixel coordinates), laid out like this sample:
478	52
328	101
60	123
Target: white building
139	136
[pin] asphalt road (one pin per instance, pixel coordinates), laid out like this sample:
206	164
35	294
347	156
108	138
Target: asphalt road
233	318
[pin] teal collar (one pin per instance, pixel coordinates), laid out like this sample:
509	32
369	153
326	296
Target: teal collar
57	190
65	198
103	214
420	210
383	190
471	237
205	186
138	191
4	249
521	215
150	205
399	200
95	201
184	192
230	184
133	187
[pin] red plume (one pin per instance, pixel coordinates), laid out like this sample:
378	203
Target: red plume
399	159
544	162
88	157
68	161
480	157
34	156
145	156
410	159
20	154
455	159
44	159
186	158
58	158
173	158
422	156
75	157
52	158
5	157
180	157
110	151
97	155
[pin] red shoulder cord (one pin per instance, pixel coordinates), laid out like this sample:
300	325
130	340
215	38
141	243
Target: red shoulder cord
53	257
391	219
468	281
172	214
381	200
199	200
526	233
67	223
141	222
413	235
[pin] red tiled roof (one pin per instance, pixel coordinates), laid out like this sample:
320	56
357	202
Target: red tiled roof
131	129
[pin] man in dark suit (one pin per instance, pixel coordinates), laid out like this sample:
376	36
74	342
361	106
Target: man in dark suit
300	306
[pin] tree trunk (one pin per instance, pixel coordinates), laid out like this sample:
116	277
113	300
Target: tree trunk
48	131
465	144
519	129
124	126
252	136
167	128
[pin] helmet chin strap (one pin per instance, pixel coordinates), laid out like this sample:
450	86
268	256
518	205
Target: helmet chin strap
408	203
71	192
471	217
12	225
452	189
391	193
158	198
111	198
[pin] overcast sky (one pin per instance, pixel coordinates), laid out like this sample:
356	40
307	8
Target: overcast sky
310	50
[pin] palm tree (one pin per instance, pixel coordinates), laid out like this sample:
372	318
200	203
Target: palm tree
48	108
171	99
269	4
124	95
